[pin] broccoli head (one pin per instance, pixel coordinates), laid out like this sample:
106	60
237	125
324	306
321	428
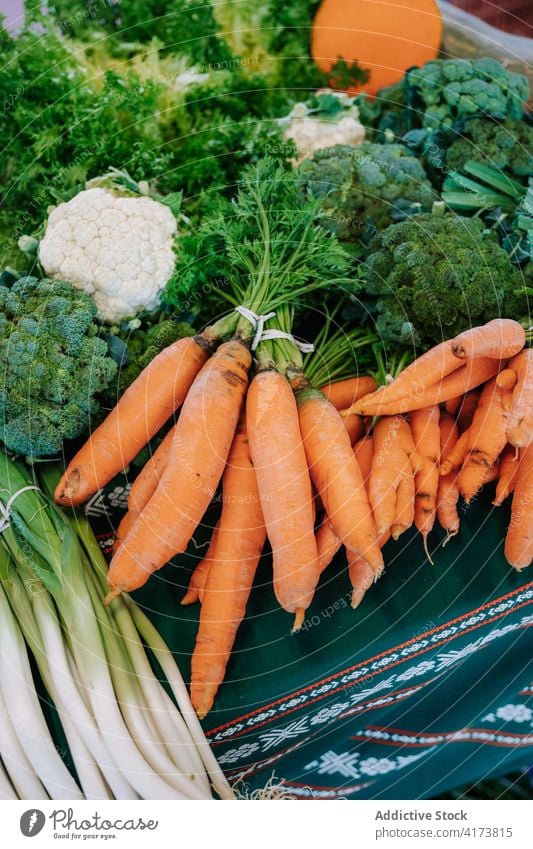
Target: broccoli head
505	146
53	365
436	275
364	188
450	89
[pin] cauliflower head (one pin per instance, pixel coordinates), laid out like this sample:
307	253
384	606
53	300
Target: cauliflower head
327	119
365	187
117	248
53	362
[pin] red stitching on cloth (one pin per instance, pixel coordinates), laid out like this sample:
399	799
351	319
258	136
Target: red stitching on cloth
388	728
383	654
447	735
347	685
252	767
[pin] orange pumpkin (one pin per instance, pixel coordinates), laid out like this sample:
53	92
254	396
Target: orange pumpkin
385	36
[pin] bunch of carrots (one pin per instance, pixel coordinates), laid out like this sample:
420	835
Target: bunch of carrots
310	469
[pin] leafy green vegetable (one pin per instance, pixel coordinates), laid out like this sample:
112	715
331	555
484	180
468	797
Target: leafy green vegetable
274	36
436	275
53	363
260	249
365	187
504	203
71	112
187	27
506	146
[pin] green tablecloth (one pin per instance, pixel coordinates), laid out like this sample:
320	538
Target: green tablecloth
428	685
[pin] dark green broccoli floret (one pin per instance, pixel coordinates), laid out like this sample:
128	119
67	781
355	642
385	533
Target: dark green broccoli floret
365	187
450	89
507	146
436	275
53	365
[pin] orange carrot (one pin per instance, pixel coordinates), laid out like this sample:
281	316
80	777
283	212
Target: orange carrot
327	540
392	462
343	393
141	412
449	434
364	451
355	428
429	369
126	523
493	473
507	379
509	463
195	590
499	339
448	490
405	501
447	500
426	434
285	488
362	576
453	404
487	436
142	488
337	476
519	539
202	440
469	375
521	412
240	540
453	456
466	410
146	482
327	543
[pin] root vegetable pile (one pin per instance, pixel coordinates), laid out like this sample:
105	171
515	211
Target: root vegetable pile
293	467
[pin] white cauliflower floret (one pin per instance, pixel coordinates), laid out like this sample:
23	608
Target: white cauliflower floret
311	129
117	248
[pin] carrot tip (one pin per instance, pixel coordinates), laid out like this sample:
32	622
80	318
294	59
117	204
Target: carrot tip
449	535
113	593
428	555
299	616
190	597
357	596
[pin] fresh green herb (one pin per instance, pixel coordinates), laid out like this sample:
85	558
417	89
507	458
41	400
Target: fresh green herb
260	250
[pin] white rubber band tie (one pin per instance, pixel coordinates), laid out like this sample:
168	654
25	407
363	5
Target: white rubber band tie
257	322
5	509
304	347
261	335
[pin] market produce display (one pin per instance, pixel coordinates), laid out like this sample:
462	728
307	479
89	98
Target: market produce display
288	300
